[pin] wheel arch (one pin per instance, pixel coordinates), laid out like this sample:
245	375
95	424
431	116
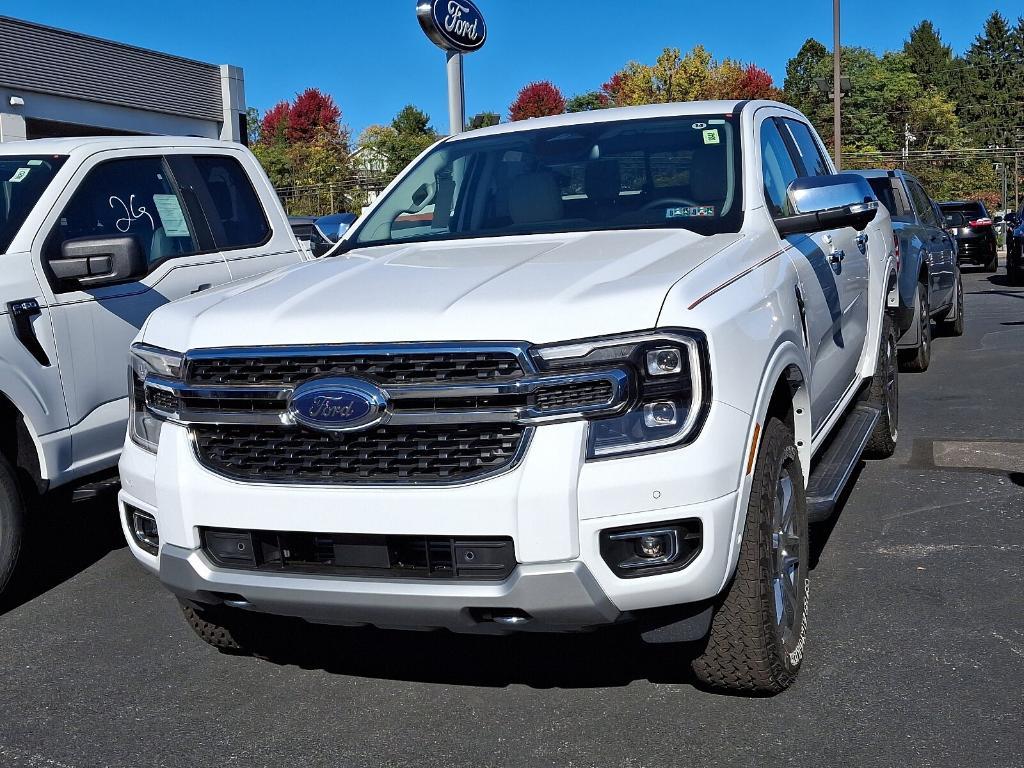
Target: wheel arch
19	446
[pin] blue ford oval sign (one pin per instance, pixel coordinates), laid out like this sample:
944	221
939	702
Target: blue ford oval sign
338	404
455	25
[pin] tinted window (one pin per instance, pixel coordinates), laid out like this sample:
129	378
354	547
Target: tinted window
237	219
972	210
810	155
133	197
23	179
777	168
892	195
679	172
922	203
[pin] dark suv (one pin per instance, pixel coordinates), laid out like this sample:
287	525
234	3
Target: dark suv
1015	247
975	236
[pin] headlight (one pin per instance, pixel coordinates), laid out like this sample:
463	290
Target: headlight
147	361
673	389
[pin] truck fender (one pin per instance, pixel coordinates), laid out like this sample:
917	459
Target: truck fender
787	364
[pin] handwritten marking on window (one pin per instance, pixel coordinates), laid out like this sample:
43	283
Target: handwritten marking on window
131	214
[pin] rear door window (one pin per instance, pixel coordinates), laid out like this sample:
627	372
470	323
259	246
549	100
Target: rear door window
922	203
128	197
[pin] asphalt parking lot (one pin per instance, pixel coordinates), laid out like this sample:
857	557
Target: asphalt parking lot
916	655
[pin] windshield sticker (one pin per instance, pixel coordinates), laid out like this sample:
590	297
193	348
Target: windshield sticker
19	174
690	212
699	126
171	216
131	215
711	136
35	162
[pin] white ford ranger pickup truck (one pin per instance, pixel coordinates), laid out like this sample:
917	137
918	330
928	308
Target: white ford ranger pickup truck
565	373
95	233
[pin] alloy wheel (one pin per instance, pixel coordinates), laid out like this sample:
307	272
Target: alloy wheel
786	558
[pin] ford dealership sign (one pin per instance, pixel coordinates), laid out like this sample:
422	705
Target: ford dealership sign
455	25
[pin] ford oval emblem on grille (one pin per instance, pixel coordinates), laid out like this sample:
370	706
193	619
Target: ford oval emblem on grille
338	404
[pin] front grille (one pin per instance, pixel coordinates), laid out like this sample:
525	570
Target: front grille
379	556
578	395
381	455
398	368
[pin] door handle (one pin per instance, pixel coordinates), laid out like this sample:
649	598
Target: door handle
862	241
202	287
835	255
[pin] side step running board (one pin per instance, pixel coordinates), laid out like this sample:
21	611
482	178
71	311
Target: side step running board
833	470
98	487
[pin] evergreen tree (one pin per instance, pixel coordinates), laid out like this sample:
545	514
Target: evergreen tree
990	105
930	59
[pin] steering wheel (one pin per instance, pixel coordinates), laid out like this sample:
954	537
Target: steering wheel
665	202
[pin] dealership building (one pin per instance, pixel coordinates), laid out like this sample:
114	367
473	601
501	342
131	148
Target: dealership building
59	83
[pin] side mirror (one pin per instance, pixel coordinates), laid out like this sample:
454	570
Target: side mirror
95	261
828	202
997	220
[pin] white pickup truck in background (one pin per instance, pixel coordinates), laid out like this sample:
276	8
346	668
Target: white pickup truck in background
96	233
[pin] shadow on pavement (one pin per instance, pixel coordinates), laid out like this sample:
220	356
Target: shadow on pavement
611	657
83	533
820	532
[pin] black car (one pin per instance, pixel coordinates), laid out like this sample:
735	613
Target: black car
975	235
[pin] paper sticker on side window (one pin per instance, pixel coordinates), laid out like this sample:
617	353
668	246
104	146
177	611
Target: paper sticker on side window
19	174
171	216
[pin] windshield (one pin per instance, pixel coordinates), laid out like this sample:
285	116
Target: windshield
23	178
677	172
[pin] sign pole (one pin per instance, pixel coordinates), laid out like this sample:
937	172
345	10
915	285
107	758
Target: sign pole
456	94
837	95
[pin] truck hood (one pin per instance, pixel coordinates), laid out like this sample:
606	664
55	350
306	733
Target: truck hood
536	288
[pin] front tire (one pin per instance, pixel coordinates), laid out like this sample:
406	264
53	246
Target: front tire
12	522
758	632
993	264
918	360
884	394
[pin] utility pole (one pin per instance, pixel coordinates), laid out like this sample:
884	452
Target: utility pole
1016	180
907	138
837	94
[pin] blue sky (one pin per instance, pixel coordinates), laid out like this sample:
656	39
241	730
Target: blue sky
373	58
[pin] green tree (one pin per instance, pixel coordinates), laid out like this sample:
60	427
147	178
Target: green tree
800	88
483	120
252	124
587	102
930	59
993	77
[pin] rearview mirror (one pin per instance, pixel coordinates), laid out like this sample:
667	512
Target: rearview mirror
818	203
95	261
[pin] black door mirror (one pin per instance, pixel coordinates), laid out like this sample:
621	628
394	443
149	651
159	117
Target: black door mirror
94	261
818	203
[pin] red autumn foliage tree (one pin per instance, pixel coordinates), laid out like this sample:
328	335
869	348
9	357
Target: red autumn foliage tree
537	100
756	84
312	112
275	121
613	89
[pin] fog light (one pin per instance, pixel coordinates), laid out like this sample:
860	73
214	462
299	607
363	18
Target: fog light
144	530
664	362
651	546
661	414
650	549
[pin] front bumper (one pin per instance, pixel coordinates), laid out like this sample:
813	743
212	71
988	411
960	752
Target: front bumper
554	506
559	596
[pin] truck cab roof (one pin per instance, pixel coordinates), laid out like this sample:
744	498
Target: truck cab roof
90	144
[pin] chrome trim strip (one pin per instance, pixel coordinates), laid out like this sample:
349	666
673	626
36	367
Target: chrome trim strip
519	349
619	400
